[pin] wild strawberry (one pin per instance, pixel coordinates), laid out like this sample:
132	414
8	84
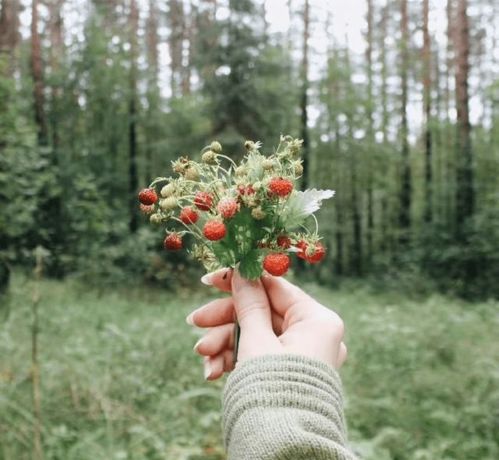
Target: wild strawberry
209	157
214	230
192	173
148	196
246	190
146	208
315	254
167	190
227	207
188	215
276	264
203	201
155	218
216	147
280	186
302	246
167	204
284	242
173	242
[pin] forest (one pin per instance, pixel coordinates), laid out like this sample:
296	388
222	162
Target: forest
397	104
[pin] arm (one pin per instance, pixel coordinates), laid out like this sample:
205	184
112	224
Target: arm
284	407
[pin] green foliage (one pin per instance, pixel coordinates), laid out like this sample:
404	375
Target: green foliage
120	380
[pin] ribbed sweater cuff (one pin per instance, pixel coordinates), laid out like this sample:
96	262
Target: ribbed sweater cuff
282	381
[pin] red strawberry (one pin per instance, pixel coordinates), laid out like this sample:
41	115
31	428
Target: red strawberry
146	208
227	207
173	242
280	187
284	241
276	264
319	251
302	246
214	230
203	201
188	215
148	196
246	190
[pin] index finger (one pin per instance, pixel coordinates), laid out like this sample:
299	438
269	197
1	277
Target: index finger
221	279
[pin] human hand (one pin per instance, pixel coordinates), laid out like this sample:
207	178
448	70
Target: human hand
275	317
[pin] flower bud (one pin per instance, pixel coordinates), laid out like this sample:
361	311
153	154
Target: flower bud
216	146
209	157
249	145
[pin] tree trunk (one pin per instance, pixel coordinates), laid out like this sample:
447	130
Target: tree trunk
37	74
370	131
428	212
56	51
304	95
465	197
384	73
405	172
132	117
9	31
153	92
176	22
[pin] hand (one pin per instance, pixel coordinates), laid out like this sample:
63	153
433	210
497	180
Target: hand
275	316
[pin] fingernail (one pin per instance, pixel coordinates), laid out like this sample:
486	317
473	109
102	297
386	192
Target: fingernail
190	319
206	279
207	369
197	344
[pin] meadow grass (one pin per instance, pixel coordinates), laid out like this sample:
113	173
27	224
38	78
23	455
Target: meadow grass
120	380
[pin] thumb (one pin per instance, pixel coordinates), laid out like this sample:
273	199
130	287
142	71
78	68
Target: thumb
253	314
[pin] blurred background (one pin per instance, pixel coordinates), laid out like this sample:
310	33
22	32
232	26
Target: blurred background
397	102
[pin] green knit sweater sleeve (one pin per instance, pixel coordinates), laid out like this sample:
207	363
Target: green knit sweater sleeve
284	407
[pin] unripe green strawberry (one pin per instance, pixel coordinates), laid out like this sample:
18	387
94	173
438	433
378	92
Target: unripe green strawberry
216	146
148	196
298	168
214	230
277	264
167	204
167	190
280	186
173	242
191	173
227	207
209	157
188	215
258	213
155	218
267	164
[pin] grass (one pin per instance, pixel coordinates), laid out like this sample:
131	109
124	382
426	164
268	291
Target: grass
120	380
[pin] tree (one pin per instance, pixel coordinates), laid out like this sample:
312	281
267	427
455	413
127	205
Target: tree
465	195
405	166
9	31
37	75
133	180
428	213
304	93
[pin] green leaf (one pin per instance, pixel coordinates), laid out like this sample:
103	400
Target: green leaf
224	254
300	205
250	265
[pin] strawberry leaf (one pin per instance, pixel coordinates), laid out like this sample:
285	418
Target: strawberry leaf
300	205
250	266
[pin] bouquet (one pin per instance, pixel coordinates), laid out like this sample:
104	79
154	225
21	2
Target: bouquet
248	215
